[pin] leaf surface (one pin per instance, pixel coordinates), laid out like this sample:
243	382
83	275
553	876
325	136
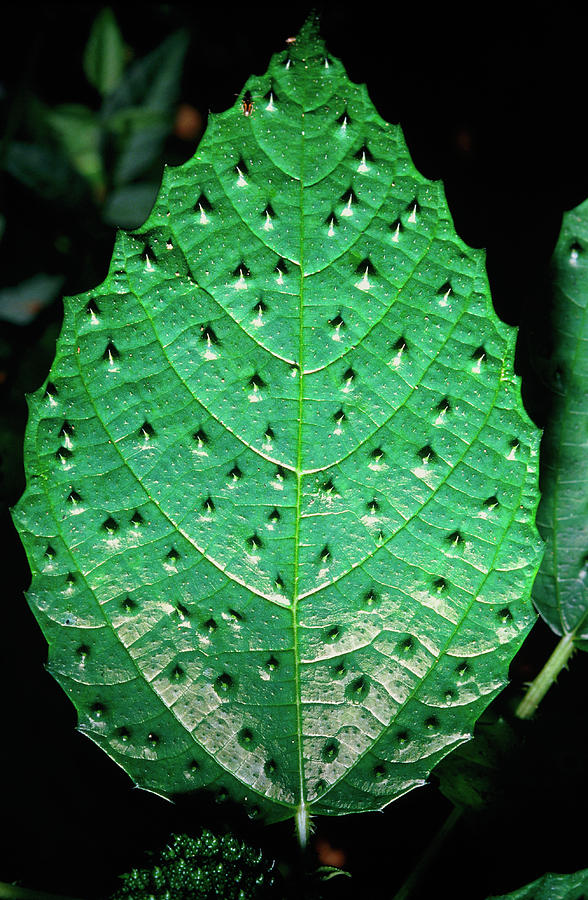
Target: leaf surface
281	486
561	587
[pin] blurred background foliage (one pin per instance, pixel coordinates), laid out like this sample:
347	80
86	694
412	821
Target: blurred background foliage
94	100
78	159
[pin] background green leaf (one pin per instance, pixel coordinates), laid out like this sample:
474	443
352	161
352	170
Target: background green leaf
46	170
551	887
561	588
104	56
281	487
139	113
21	302
129	204
78	131
473	777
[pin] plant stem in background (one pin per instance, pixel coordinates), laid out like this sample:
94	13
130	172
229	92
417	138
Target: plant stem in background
428	857
546	677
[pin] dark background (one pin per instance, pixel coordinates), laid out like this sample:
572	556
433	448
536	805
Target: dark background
491	99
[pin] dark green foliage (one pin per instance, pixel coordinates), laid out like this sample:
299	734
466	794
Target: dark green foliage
552	887
473	777
207	867
105	161
104	56
561	588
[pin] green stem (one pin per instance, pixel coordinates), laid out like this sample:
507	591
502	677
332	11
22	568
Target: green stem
302	826
12	892
546	677
428	857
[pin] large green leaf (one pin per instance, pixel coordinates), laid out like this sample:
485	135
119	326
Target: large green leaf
561	588
281	487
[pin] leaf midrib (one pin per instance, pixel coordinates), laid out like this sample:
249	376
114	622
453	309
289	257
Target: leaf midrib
299	477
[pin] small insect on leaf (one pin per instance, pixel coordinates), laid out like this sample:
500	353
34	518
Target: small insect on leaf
247	103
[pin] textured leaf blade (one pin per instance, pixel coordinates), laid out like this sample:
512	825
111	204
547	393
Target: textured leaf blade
561	587
281	486
203	867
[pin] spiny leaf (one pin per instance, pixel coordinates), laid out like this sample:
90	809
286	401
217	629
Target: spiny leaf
552	887
281	486
561	588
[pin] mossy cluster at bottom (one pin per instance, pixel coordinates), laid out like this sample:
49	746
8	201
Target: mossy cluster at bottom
207	867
